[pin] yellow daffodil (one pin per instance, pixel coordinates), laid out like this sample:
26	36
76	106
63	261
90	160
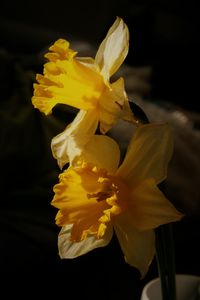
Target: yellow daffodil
69	144
84	83
96	195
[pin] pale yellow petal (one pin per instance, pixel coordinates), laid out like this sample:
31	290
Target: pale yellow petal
149	207
111	105
89	62
138	247
148	154
103	152
113	49
69	249
69	144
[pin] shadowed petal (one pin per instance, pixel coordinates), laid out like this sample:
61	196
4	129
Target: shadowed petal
148	154
69	249
103	152
138	246
149	208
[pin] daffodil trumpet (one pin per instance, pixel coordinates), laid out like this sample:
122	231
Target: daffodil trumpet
98	195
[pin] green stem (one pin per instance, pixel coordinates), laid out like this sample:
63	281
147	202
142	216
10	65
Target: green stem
166	261
161	264
170	259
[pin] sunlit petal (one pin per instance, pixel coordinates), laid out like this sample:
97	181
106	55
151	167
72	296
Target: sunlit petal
69	144
71	197
148	154
87	199
67	80
89	62
60	50
113	105
138	247
113	49
70	249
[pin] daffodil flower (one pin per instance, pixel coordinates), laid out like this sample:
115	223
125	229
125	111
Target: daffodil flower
97	195
69	144
84	83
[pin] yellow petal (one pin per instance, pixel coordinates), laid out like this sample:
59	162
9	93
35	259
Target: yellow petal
69	249
86	198
111	105
89	62
71	197
103	152
113	49
67	80
69	144
149	208
138	247
148	154
60	50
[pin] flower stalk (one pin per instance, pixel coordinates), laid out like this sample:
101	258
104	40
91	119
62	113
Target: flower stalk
165	256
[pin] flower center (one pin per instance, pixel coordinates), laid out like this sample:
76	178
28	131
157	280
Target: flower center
107	191
106	188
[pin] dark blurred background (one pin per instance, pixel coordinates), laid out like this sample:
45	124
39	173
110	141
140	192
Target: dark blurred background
163	35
